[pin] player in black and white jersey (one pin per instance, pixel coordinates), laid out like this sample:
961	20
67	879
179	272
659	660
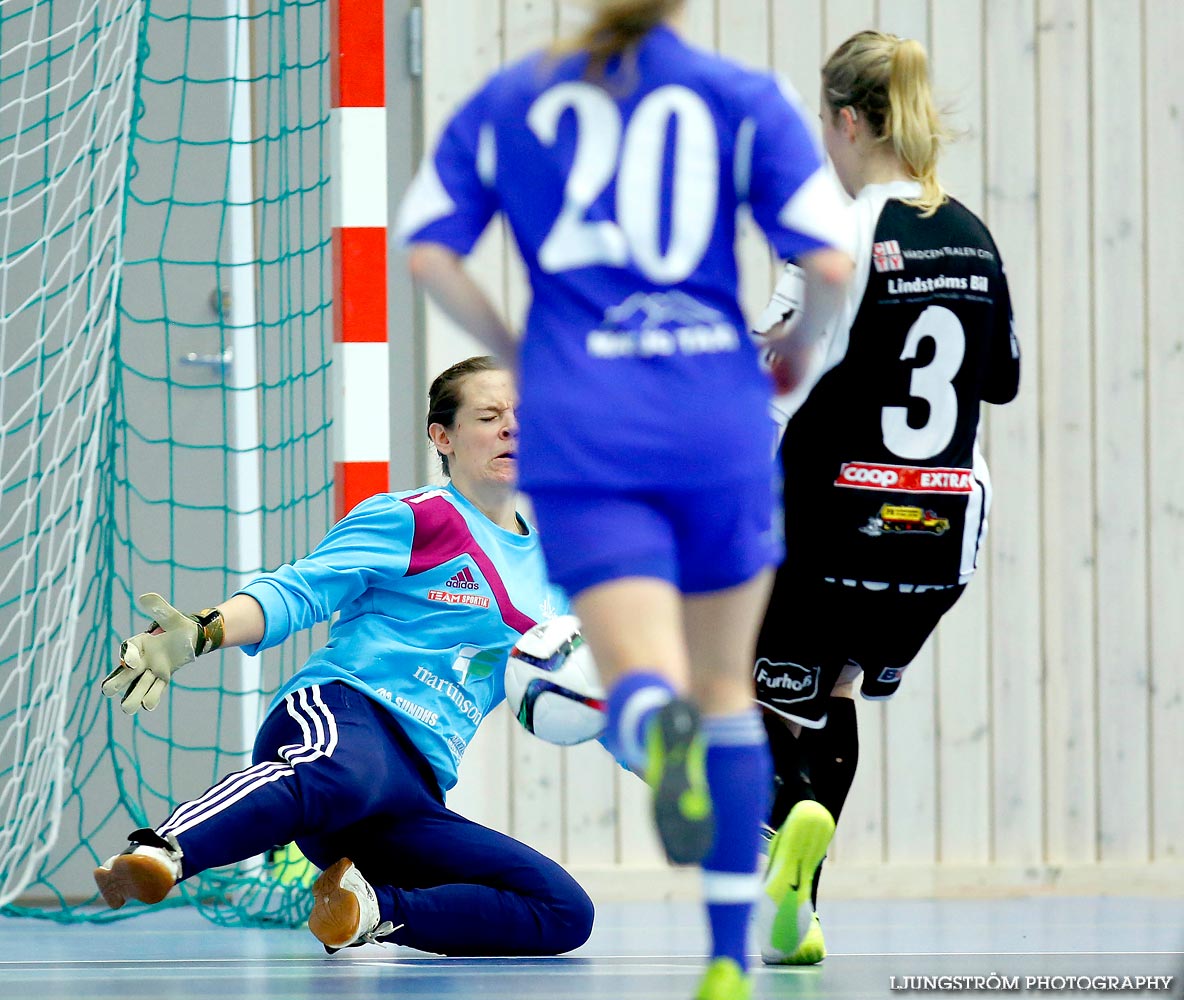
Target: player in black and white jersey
886	492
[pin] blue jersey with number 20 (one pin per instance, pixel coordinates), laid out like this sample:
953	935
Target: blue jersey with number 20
636	369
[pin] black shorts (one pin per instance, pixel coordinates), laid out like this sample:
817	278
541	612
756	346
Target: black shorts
812	629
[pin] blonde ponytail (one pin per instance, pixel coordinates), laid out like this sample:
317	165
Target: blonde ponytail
913	124
887	79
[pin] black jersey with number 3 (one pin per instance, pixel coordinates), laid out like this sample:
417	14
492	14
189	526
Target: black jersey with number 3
884	479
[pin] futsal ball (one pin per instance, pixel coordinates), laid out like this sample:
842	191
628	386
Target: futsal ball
552	686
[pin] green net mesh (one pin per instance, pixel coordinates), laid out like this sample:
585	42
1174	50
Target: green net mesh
165	346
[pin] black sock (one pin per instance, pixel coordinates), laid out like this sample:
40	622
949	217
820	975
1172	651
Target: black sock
831	755
791	775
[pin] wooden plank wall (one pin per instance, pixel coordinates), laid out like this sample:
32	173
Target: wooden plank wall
1034	742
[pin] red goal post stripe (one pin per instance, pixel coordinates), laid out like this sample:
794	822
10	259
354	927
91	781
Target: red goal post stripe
359	216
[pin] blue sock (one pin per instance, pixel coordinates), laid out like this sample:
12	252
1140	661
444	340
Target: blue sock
632	702
739	774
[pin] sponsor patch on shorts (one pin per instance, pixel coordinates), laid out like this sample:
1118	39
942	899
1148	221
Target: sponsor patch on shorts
785	683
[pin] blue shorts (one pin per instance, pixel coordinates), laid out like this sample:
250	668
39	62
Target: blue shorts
700	540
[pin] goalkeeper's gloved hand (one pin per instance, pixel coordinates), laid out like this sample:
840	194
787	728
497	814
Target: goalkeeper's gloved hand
148	660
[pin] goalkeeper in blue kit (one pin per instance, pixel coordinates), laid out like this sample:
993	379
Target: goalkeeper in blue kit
358	747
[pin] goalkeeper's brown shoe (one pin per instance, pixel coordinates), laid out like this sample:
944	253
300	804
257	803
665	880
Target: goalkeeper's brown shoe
345	909
146	871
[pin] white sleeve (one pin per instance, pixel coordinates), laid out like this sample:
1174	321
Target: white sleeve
786	300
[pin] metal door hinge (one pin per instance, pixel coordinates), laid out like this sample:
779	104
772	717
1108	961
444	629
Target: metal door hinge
214	362
415	42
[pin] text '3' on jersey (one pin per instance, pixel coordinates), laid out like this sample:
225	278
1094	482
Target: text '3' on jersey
884	478
636	364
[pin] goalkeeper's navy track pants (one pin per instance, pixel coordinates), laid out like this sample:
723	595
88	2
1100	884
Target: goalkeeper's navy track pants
335	773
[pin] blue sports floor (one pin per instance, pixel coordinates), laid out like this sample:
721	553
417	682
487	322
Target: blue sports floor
639	951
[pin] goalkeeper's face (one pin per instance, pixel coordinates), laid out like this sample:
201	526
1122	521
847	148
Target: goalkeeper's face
482	443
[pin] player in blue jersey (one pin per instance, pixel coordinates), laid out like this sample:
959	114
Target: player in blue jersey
620	161
886	493
431	589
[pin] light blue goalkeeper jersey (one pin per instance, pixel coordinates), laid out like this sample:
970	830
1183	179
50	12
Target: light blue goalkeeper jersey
431	596
623	199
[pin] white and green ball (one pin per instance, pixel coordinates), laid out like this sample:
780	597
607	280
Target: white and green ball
552	686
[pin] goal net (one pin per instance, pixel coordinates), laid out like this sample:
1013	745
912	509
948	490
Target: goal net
165	341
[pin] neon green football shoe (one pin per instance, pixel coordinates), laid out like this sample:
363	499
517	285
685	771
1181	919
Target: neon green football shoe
724	980
676	769
794	856
812	950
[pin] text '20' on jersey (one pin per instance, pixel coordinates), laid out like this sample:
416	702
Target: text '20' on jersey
622	199
884	478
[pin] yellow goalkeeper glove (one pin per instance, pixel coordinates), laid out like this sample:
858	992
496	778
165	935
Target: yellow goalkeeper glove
148	660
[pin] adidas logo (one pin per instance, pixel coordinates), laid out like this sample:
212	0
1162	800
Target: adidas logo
463	581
